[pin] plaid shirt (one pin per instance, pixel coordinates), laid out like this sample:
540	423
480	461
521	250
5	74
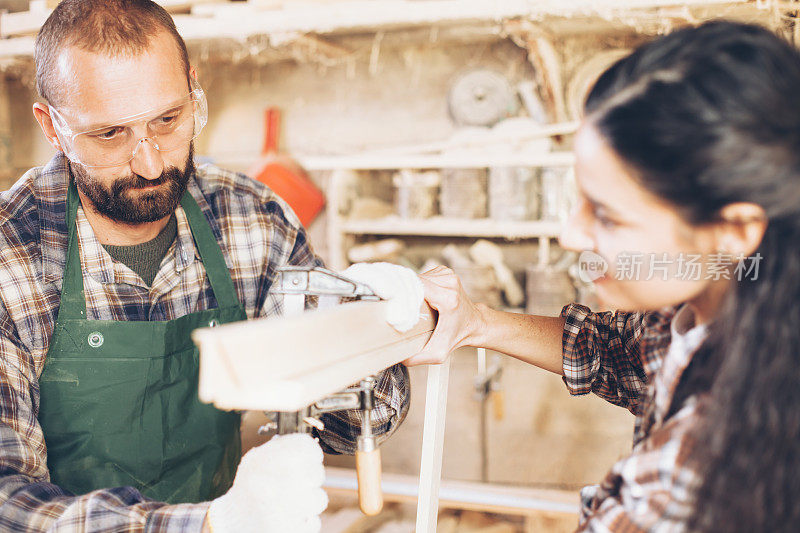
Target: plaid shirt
630	360
257	233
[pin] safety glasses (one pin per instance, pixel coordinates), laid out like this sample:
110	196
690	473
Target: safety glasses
168	128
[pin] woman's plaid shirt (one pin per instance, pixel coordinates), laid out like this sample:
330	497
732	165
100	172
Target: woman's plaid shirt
621	357
257	233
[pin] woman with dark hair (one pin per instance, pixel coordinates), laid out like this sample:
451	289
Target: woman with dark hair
688	167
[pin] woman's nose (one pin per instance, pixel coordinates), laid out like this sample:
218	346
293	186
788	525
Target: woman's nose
575	234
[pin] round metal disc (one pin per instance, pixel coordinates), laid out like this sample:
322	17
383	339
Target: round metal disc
481	98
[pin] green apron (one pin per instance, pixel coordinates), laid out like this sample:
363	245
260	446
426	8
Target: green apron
119	402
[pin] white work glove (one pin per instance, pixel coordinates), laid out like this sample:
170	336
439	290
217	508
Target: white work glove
400	286
277	489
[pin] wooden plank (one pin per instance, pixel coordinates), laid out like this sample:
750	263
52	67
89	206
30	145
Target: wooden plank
374	15
488	138
184	6
336	237
430	468
241	20
17	46
326	17
453	227
467	495
473	159
288	363
22	23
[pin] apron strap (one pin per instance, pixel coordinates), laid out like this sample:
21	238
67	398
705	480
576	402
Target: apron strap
73	298
210	252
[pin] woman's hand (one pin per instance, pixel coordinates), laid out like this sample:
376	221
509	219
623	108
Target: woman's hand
461	322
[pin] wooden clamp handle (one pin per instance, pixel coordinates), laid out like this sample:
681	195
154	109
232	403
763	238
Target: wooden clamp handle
368	469
498	403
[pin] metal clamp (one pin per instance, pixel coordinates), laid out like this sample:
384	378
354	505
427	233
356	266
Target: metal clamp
318	281
305	420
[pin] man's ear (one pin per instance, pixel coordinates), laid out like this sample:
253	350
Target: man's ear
740	228
42	114
193	72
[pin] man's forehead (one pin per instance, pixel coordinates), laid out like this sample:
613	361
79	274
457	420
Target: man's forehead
98	87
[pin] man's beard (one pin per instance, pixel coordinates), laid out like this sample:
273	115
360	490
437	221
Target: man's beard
115	203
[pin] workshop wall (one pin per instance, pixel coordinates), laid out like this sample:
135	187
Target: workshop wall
545	436
345	108
395	96
399	99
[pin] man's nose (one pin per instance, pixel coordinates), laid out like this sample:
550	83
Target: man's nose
147	161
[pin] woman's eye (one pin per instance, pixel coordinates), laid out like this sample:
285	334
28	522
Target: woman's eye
605	221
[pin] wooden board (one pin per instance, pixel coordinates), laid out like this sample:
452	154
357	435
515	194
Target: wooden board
471	495
480	159
240	20
430	468
28	22
22	22
453	227
288	363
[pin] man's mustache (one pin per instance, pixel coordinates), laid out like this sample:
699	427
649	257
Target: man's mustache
136	181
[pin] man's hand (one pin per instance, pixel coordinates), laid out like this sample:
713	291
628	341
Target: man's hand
399	285
277	489
460	321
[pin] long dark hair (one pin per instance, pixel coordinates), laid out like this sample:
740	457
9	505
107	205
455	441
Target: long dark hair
705	117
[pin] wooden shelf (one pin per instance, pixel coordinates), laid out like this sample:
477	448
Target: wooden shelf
453	227
240	20
467	160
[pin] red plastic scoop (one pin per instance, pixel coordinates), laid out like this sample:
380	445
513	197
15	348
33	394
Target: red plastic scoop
284	175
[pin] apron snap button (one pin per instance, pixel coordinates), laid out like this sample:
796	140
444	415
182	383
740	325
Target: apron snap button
213	323
95	339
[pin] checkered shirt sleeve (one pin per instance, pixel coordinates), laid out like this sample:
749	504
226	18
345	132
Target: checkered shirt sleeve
617	355
601	354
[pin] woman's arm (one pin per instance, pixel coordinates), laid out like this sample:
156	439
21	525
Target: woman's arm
534	339
595	352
